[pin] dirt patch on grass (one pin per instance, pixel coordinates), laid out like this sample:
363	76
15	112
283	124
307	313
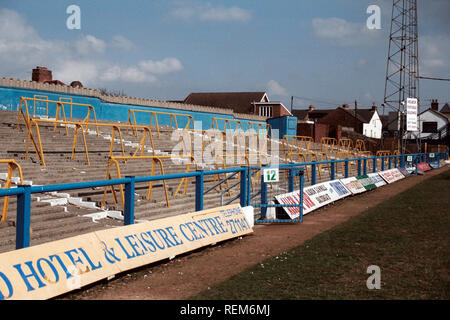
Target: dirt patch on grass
188	275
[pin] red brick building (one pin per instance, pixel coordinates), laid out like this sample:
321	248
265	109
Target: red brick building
256	103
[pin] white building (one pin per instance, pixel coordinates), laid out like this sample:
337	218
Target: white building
373	129
432	124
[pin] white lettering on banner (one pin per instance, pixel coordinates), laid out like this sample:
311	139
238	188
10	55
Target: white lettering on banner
53	268
377	180
391	175
353	185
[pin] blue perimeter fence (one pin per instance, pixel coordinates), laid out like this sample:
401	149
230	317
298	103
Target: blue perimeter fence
24	192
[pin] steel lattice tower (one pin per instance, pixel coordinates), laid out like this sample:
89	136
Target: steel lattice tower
402	71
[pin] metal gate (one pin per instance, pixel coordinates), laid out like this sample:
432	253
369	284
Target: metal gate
268	184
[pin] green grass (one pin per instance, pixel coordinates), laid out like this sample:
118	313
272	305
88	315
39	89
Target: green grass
408	237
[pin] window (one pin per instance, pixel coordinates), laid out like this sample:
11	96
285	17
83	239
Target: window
429	127
265	111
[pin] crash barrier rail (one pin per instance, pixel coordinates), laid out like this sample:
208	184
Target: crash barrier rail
261	127
12	165
59	113
227	124
155	160
236	143
154	115
115	129
24	192
296	144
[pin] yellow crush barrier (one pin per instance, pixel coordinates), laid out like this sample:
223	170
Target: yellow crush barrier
260	127
60	112
146	133
154	115
155	160
382	153
360	145
301	143
344	144
12	165
227	124
38	96
328	145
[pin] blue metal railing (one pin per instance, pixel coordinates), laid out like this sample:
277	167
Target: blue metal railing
24	192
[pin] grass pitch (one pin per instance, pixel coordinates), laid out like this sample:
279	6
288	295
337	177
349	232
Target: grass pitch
408	237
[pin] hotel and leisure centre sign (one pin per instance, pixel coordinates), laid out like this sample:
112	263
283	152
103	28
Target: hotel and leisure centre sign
51	269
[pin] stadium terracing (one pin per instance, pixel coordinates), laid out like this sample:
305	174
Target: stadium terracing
55	140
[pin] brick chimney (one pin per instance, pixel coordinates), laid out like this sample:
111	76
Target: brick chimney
374	108
434	104
345	106
41	74
311	107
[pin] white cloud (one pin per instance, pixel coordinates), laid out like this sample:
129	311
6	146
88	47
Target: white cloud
70	70
90	44
209	13
275	88
344	33
122	42
164	66
22	48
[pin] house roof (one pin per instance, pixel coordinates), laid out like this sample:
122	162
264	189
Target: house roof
443	115
363	115
445	108
301	114
240	102
304	114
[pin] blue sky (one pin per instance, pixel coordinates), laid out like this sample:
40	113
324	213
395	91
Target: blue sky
313	49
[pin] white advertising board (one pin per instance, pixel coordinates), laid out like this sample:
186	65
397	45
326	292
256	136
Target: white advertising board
353	185
294	198
391	175
411	114
340	190
314	197
377	180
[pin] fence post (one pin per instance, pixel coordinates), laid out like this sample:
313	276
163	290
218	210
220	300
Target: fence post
313	174
291	179
374	164
389	162
302	180
199	179
128	214
263	196
382	163
359	167
365	166
244	177
23	218
333	170
346	168
402	161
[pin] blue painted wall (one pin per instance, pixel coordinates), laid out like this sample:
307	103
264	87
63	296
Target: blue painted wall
10	98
